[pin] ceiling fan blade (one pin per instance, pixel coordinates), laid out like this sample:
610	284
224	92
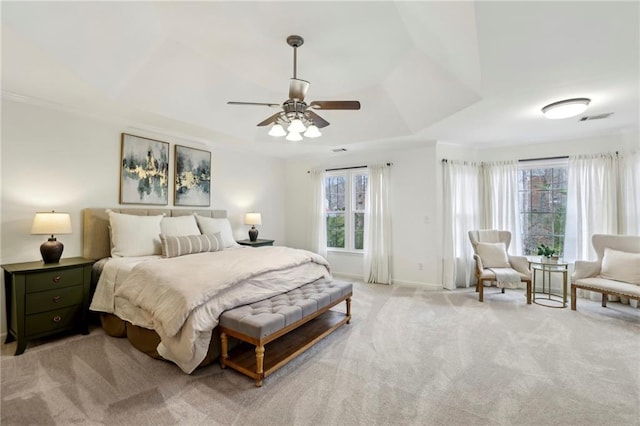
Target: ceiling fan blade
298	89
335	105
317	120
254	103
270	120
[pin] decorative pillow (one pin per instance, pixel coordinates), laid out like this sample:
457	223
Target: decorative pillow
493	255
133	235
173	246
621	266
178	226
209	225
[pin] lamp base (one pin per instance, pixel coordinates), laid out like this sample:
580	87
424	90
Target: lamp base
253	234
51	250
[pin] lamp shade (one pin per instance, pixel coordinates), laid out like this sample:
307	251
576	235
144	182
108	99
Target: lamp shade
277	131
565	109
253	219
51	223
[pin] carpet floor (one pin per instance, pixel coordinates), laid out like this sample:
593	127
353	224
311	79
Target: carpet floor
409	357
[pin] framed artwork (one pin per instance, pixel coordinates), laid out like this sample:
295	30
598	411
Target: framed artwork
193	177
144	171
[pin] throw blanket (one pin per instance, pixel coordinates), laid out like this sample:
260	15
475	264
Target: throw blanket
506	277
184	296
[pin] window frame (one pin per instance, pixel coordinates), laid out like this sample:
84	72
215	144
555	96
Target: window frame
555	235
350	208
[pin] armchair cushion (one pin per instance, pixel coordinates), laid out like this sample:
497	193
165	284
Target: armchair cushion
621	266
493	255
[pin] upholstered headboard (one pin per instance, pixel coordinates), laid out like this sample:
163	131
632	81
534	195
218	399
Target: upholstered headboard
95	232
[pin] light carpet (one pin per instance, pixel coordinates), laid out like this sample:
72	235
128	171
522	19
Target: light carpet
409	357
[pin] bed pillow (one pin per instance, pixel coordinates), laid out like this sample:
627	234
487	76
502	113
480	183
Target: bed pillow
621	266
493	255
210	225
133	235
178	226
173	246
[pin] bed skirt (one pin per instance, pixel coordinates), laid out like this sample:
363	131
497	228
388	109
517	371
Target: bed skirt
146	340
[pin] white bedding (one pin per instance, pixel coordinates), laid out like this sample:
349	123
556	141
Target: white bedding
182	298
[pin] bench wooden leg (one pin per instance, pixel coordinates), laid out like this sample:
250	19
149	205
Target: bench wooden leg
259	364
604	300
348	301
573	298
223	349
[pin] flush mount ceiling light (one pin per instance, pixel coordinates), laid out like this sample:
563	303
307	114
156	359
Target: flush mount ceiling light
565	109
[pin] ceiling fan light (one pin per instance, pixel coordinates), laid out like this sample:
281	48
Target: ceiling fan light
277	131
312	132
565	109
296	126
294	136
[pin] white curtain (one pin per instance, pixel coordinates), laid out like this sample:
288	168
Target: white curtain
318	228
591	203
377	232
461	214
500	201
629	193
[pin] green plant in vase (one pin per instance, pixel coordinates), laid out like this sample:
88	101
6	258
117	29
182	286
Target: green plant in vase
547	251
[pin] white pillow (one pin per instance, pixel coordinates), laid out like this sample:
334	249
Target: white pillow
179	226
621	266
209	225
173	246
133	235
493	255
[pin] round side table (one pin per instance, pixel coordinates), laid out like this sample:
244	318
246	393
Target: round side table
546	297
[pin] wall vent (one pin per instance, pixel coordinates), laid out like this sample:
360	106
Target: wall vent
596	117
339	150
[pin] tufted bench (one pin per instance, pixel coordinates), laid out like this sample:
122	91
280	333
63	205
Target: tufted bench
298	319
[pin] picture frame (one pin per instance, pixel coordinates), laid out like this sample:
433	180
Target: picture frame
144	171
192	177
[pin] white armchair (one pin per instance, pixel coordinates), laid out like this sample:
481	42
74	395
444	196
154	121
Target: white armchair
497	262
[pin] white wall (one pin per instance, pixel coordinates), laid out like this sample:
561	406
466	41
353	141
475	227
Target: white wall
53	159
413	210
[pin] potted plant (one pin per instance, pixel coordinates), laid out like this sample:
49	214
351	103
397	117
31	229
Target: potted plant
548	252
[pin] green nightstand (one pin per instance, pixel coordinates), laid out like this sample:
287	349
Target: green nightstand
45	299
256	243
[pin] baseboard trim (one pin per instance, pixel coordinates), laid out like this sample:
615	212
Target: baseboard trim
402	283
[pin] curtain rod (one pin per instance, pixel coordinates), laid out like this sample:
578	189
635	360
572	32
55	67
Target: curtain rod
544	158
348	168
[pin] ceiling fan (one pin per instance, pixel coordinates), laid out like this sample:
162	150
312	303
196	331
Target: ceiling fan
296	113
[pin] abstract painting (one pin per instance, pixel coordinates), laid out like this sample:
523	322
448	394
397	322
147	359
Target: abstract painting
193	177
144	171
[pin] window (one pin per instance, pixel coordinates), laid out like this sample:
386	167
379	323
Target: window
543	204
345	193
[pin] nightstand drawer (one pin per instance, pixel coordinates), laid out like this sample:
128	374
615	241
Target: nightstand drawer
54	299
49	280
58	319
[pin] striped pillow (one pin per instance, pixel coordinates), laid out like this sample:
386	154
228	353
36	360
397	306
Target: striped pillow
173	246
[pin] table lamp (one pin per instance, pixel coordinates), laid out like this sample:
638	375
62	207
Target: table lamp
51	223
253	219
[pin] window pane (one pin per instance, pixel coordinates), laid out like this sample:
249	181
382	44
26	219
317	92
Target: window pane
335	230
360	191
334	192
358	232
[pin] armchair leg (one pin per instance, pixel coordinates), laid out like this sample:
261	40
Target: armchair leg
573	298
604	300
528	292
480	290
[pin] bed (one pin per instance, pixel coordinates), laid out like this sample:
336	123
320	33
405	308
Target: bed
166	295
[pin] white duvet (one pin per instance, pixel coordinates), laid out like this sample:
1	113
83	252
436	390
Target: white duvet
182	298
